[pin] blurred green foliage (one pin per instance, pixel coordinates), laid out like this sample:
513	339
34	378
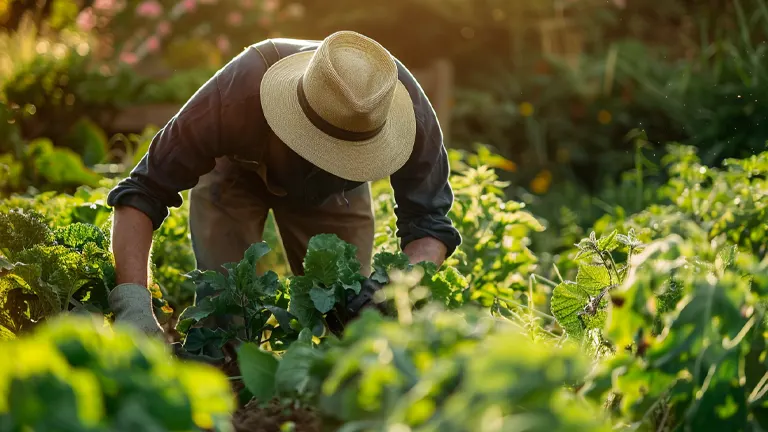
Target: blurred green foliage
79	375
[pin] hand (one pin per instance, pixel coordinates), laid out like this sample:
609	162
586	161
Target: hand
426	249
132	305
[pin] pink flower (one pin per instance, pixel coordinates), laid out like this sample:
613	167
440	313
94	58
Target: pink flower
149	9
222	42
189	5
153	44
621	4
129	58
247	4
104	4
271	5
264	21
235	18
163	28
86	20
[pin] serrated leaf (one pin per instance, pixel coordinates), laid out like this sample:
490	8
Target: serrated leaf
77	235
608	242
323	299
568	300
384	262
725	258
445	286
258	369
593	278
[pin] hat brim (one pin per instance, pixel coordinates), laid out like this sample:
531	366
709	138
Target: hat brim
360	161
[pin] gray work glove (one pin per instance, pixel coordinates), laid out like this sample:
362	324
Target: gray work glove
132	305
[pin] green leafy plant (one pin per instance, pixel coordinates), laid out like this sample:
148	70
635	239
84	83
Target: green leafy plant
687	324
47	272
580	306
75	374
439	371
240	303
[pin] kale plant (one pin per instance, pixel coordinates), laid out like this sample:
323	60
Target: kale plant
45	272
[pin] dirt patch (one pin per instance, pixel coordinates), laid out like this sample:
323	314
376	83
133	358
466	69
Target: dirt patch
271	417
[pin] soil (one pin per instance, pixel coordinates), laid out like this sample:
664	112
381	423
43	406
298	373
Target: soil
256	417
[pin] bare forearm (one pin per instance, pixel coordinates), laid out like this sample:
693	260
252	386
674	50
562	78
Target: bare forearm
131	242
426	249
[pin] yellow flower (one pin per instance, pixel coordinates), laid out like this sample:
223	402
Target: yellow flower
541	183
604	117
526	109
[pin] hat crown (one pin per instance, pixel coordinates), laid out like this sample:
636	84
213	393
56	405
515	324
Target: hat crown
350	82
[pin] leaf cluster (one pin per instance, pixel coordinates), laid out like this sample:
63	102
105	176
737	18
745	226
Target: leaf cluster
45	272
443	371
74	374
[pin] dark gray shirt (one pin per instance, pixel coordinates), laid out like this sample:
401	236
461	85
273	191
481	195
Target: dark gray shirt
224	119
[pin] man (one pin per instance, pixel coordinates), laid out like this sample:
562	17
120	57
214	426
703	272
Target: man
299	127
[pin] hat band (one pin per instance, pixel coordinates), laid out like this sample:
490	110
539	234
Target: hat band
330	129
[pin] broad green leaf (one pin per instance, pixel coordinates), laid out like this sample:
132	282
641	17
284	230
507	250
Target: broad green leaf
305	337
268	284
258	369
282	316
349	266
568	300
330	260
206	341
198	312
710	315
324	299
354	287
255	252
593	278
301	305
215	280
323	265
293	372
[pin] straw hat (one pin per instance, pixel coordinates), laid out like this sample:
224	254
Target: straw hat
342	107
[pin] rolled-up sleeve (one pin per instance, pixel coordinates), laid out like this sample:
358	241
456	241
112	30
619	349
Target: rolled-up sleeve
423	194
182	151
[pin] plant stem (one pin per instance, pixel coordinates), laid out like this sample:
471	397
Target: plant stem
759	389
547	281
557	271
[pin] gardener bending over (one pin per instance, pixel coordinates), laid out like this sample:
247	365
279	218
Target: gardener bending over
301	128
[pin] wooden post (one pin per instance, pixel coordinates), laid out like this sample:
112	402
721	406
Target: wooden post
437	83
